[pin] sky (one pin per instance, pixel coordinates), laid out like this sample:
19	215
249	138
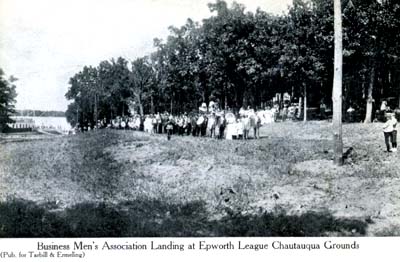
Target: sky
45	42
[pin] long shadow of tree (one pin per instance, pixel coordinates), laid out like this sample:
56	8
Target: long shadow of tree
152	218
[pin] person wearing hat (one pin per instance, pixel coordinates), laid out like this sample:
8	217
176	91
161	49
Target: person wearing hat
211	106
203	108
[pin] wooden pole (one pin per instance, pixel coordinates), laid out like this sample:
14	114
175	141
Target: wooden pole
337	85
305	103
95	110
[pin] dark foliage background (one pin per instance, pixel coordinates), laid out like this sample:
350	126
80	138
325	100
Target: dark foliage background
245	58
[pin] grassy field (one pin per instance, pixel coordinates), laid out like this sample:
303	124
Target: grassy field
123	183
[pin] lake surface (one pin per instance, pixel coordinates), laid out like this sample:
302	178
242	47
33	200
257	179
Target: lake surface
59	123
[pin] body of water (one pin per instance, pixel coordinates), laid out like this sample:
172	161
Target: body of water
59	123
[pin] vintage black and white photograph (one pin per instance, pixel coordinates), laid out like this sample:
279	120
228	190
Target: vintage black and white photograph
199	118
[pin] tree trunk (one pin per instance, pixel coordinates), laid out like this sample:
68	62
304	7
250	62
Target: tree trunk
225	103
111	115
141	112
370	99
77	116
300	107
140	104
337	86
171	106
305	104
152	105
398	105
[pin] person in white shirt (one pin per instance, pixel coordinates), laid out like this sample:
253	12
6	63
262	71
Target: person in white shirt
388	132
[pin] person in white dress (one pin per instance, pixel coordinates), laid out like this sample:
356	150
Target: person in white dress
231	127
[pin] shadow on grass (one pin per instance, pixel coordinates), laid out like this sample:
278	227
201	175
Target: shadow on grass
152	218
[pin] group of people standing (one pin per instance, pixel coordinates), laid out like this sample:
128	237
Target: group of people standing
201	124
207	122
221	124
183	124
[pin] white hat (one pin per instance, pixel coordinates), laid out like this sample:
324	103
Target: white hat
203	107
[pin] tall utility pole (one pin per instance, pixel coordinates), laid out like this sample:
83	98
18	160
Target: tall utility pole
337	85
95	109
305	103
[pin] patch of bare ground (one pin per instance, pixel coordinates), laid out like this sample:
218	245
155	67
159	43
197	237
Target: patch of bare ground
293	172
354	191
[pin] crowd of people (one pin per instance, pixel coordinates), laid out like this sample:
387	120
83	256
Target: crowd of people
217	124
225	124
207	122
